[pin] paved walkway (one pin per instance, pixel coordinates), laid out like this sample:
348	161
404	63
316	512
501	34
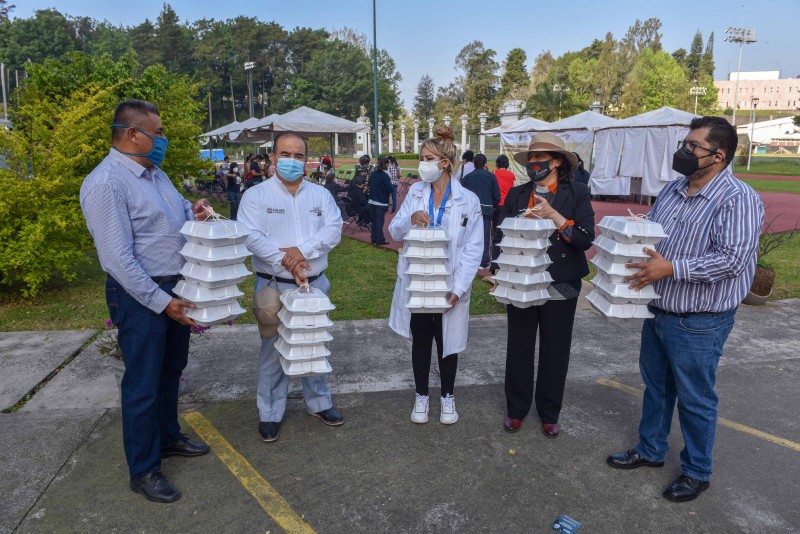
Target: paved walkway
62	467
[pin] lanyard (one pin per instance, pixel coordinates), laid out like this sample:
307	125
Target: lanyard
441	207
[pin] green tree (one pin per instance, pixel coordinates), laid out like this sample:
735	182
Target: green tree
425	100
48	34
479	78
175	40
514	81
542	66
695	56
62	132
144	39
5	9
655	81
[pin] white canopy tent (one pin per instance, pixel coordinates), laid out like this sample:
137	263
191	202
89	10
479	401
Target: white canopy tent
528	124
639	146
588	120
303	120
229	132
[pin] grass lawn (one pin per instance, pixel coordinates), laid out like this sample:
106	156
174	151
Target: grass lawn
789	166
787	277
779	186
362	279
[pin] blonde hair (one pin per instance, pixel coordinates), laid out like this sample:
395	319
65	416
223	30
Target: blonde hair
443	145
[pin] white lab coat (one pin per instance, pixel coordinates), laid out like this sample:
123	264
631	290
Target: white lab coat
465	250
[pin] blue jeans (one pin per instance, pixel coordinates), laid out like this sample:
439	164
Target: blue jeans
233	198
678	360
155	349
394	198
273	384
377	215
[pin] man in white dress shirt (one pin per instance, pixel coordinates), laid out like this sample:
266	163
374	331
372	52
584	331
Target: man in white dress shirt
295	223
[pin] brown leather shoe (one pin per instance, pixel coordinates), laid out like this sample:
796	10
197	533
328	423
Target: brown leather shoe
512	425
551	430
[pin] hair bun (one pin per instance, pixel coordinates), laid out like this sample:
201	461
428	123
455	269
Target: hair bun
445	132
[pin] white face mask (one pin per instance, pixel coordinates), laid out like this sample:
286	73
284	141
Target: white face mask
429	171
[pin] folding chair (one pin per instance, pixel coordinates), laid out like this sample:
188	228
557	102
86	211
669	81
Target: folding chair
355	221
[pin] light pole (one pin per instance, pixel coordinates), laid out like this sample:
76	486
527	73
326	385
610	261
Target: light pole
248	67
742	36
754	101
375	74
697	91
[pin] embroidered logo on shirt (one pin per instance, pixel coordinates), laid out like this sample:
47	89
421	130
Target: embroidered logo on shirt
280	211
317	211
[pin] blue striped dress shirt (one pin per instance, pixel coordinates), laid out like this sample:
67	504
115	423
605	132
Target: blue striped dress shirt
135	215
712	244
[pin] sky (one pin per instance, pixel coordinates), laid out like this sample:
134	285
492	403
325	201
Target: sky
424	37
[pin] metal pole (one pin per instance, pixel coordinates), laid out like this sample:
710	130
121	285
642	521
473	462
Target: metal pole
233	99
210	122
736	87
375	75
752	133
250	90
3	83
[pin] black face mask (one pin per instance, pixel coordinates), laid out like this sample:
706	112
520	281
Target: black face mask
687	163
538	170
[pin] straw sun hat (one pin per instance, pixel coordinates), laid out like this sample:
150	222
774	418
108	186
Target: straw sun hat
546	142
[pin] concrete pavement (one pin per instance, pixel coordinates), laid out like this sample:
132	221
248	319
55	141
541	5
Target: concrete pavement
62	468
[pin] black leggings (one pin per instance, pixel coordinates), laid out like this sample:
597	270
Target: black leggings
425	327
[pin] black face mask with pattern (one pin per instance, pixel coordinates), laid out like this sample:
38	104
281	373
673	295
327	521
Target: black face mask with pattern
686	163
538	170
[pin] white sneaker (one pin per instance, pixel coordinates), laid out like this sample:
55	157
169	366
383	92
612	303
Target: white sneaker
449	413
420	413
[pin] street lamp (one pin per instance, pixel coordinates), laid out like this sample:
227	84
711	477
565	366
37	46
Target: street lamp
742	36
754	101
248	67
697	91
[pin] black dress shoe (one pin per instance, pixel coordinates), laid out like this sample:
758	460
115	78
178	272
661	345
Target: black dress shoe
630	460
269	431
330	417
155	487
685	488
184	447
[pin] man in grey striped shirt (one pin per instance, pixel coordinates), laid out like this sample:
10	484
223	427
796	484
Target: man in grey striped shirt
135	215
702	271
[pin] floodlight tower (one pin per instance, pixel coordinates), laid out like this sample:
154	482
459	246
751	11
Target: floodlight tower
742	36
248	67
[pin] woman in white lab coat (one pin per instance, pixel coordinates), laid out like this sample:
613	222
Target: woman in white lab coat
458	211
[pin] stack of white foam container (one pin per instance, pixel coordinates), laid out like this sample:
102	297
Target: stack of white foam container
523	278
215	254
622	240
426	251
303	332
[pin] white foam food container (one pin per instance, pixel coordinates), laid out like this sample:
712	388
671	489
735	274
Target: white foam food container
523	281
523	246
615	272
621	259
301	353
419	235
617	311
215	256
224	275
534	228
428	286
198	294
428	304
302	302
436	252
523	264
423	270
520	299
620	293
214	314
304	322
307	368
215	233
625	229
304	337
615	248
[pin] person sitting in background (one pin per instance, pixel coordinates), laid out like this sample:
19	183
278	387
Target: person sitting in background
466	164
359	206
484	185
380	189
363	169
580	174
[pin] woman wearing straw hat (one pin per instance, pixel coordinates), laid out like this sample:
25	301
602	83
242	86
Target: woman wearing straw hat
552	194
438	200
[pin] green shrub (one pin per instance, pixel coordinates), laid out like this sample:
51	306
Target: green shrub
62	131
402	156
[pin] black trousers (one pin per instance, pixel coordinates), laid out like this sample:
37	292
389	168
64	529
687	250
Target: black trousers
553	320
425	327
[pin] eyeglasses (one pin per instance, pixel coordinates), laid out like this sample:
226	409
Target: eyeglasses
691	146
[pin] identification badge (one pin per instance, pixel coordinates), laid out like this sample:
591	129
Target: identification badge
566	524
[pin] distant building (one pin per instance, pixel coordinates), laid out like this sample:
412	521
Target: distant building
512	111
773	93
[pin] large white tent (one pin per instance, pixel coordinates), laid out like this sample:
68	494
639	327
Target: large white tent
229	132
588	120
528	124
638	147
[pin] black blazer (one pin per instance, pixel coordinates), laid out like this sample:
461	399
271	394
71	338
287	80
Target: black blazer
571	201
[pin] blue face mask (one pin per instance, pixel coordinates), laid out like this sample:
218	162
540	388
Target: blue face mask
156	154
290	169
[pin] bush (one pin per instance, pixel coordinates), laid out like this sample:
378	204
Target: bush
402	156
62	131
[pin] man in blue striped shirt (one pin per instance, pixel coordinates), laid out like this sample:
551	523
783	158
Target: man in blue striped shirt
702	271
135	215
